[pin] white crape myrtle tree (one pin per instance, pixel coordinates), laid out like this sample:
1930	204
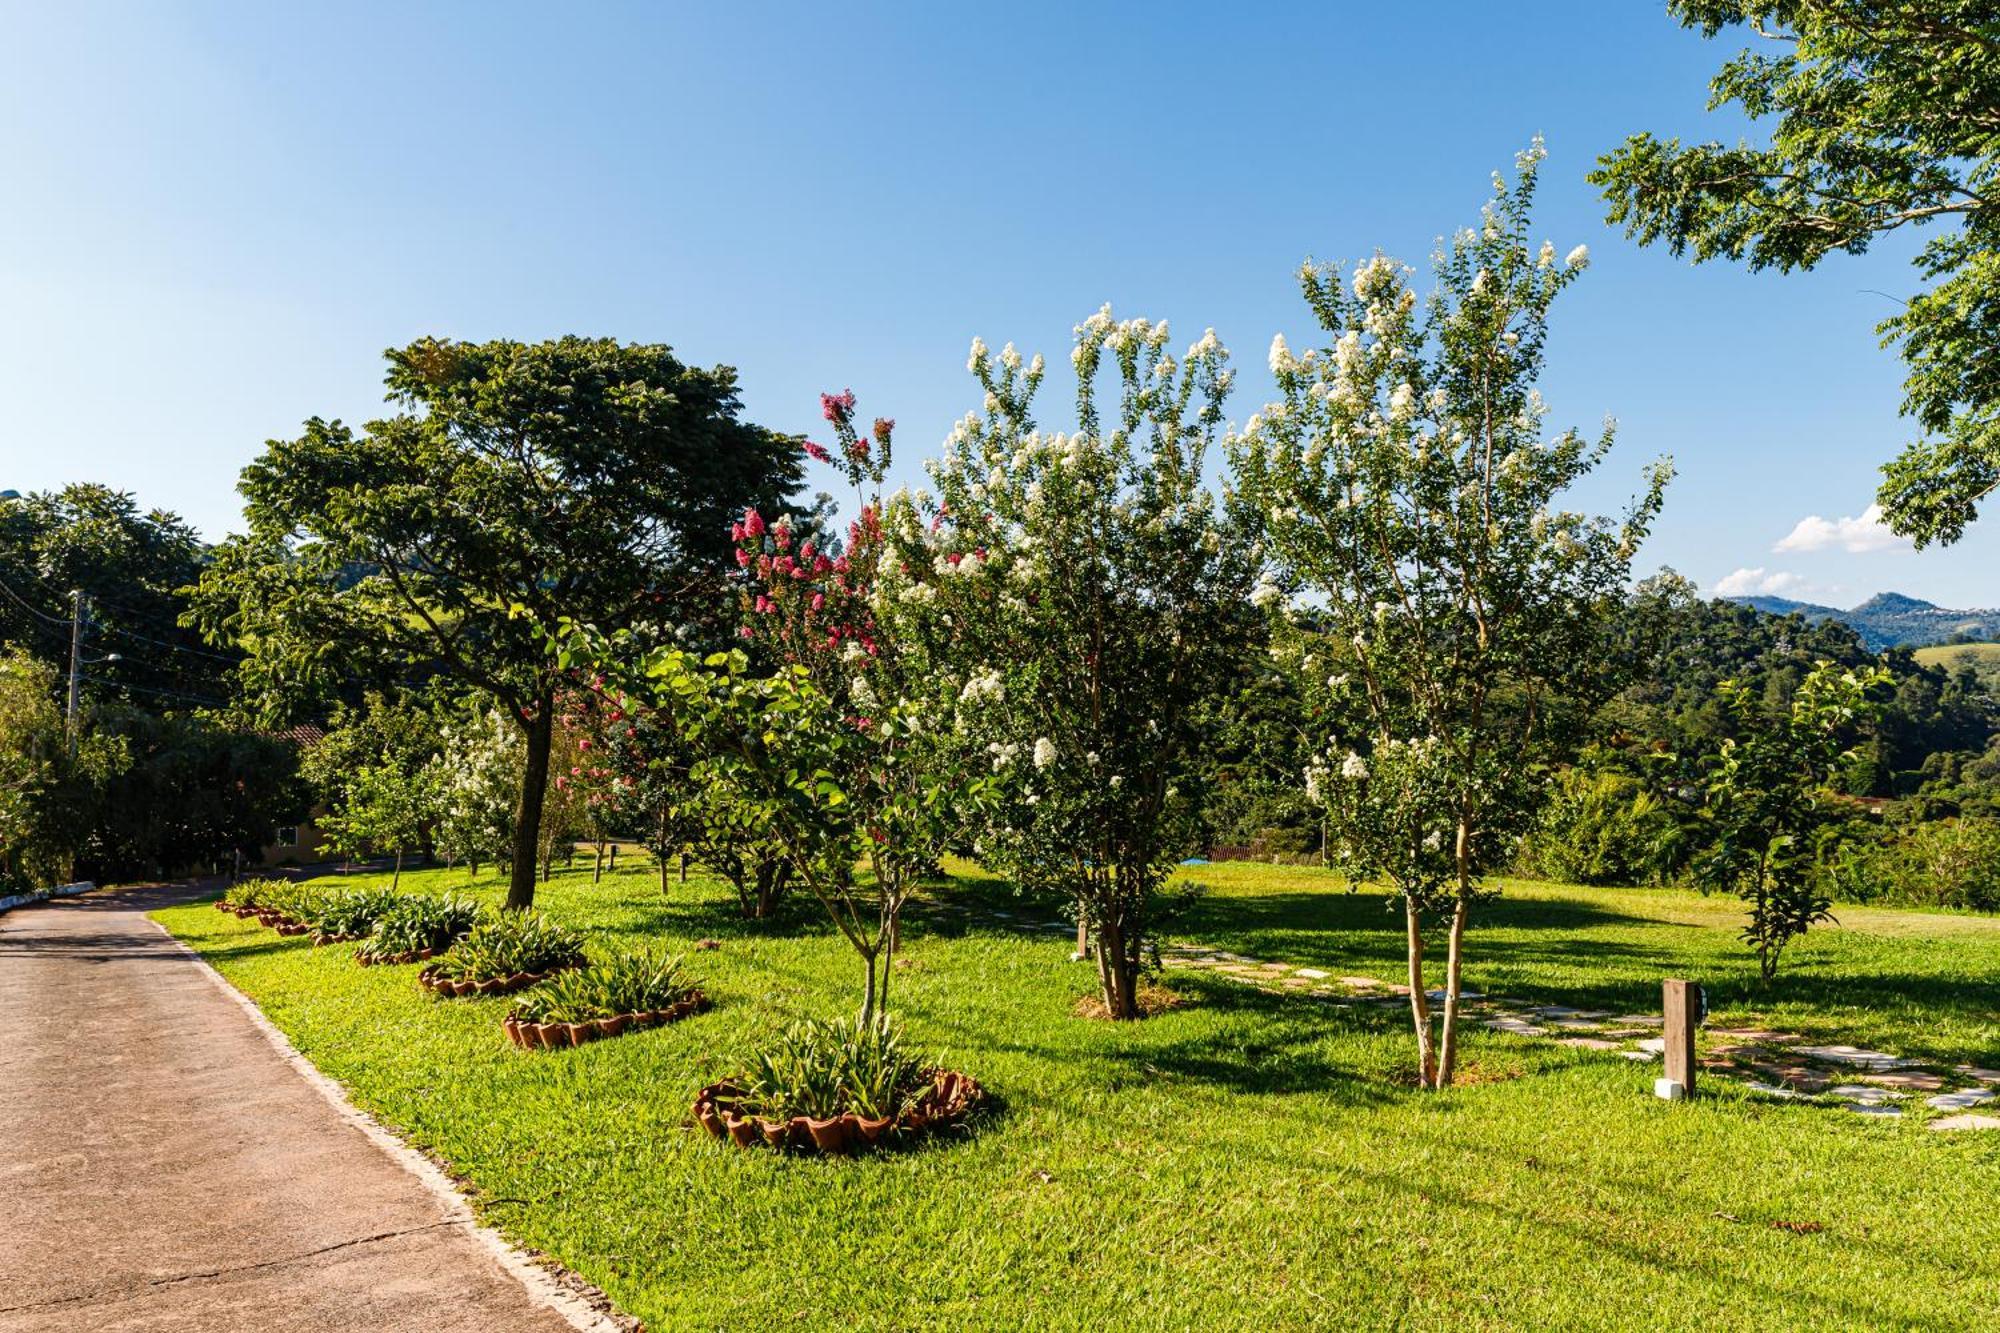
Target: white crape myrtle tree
475	779
1089	592
1448	605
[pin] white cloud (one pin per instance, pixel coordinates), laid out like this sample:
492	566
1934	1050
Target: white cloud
1858	536
1759	582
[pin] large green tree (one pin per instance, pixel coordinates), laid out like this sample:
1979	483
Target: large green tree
518	484
1884	114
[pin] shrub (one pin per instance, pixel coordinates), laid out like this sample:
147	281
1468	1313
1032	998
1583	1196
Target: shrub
1605	828
629	983
824	1069
350	911
1949	863
413	923
252	893
509	944
296	901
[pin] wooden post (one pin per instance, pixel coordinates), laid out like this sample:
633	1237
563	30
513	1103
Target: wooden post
1683	1012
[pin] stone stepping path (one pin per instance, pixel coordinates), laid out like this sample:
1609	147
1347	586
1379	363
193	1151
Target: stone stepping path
1765	1062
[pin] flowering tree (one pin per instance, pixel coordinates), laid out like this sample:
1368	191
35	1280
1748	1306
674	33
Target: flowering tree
475	778
1405	484
1084	597
846	753
1763	801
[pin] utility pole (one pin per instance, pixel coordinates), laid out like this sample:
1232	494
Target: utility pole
75	665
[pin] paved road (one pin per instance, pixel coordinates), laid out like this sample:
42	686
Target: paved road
162	1166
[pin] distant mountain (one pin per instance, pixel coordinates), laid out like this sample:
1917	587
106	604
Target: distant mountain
1891	620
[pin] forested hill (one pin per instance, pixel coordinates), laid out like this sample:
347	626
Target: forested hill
1891	620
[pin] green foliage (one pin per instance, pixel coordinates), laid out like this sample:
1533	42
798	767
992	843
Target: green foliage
633	981
519	484
1763	800
515	942
416	922
349	911
1883	119
132	566
1605	828
188	791
827	1067
387	810
46	796
253	892
1953	863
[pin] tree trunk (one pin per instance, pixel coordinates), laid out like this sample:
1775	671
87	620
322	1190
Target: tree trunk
1420	1003
396	879
1117	972
528	807
1448	1045
684	867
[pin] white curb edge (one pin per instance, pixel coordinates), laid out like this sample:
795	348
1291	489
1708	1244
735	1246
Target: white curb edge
544	1286
43	895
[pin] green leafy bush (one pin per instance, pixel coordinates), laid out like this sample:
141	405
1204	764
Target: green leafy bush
296	901
1605	828
512	943
416	922
629	983
825	1068
1949	863
252	893
350	911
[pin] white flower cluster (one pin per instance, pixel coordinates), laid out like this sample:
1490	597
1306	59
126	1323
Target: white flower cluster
984	685
1045	749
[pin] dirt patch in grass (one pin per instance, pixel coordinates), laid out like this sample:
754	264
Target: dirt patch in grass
1153	1000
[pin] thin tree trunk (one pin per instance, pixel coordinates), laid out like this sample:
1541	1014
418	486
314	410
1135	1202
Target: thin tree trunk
1448	1047
1420	1003
540	735
396	878
684	867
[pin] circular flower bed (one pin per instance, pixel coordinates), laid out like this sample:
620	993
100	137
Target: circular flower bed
720	1109
551	1036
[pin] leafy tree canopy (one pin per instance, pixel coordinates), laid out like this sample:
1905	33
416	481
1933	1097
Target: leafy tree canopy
131	565
1885	114
521	483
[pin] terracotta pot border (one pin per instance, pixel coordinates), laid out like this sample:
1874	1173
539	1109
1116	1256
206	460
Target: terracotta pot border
951	1097
431	981
552	1036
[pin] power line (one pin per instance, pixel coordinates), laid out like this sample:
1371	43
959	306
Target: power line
23	603
176	647
148	689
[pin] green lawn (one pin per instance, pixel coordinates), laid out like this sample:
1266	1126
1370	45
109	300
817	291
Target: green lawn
1246	1160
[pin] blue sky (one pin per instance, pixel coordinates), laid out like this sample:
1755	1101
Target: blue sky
216	217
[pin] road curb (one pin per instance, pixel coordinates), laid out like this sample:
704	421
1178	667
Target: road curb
43	895
580	1304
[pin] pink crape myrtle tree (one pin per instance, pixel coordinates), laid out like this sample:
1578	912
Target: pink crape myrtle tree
847	751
